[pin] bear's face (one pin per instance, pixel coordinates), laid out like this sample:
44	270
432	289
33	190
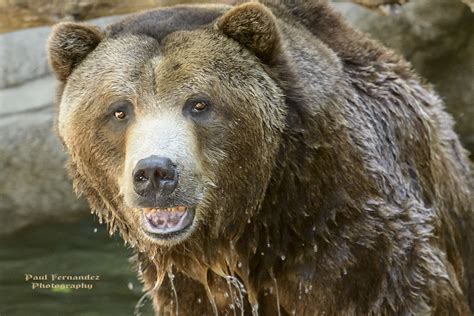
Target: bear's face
173	136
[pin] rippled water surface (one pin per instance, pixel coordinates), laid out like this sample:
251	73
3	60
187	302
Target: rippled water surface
67	249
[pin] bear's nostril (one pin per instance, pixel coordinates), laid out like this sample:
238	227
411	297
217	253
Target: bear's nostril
165	175
140	176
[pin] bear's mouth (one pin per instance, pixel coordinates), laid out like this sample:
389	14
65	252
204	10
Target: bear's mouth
166	223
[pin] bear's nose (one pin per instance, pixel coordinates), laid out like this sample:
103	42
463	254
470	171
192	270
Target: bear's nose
154	175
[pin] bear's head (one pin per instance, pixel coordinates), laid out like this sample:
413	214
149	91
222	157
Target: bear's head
173	119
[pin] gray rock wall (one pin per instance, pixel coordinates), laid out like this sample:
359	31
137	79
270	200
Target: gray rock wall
437	36
34	187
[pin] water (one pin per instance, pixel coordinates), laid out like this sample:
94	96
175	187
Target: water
175	294
276	292
68	249
236	301
229	285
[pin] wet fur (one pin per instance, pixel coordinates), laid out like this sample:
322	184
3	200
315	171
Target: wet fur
368	207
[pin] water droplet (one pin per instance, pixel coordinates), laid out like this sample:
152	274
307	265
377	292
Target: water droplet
314	228
249	221
199	301
226	295
255	310
277	295
262	253
140	304
239	264
174	293
315	248
130	286
283	257
95	230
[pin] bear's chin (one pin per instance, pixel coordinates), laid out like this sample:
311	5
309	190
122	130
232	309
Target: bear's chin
168	226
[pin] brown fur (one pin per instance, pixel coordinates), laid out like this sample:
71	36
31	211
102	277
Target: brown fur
339	188
66	53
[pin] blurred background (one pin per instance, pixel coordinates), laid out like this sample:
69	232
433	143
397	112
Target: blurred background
43	227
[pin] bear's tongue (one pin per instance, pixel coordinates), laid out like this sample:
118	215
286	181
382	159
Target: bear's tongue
166	220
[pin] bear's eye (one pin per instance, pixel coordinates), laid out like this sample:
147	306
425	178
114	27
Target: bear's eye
120	115
199	106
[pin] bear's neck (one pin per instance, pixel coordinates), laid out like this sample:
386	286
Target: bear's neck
308	206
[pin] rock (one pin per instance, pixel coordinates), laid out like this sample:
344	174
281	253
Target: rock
23	54
437	37
18	14
34	186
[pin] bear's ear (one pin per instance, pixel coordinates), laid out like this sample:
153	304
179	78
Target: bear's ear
253	26
68	44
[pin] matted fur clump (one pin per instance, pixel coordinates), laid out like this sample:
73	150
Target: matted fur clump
266	158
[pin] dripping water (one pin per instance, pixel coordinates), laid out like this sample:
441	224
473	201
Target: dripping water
234	303
240	290
140	271
171	278
255	309
276	292
140	304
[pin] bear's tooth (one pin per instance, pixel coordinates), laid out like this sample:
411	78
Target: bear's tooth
148	210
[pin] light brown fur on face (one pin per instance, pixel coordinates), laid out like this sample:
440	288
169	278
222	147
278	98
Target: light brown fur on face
325	178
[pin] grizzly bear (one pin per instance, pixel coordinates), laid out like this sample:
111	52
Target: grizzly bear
265	158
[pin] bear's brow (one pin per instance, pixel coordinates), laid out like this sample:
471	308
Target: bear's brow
159	23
